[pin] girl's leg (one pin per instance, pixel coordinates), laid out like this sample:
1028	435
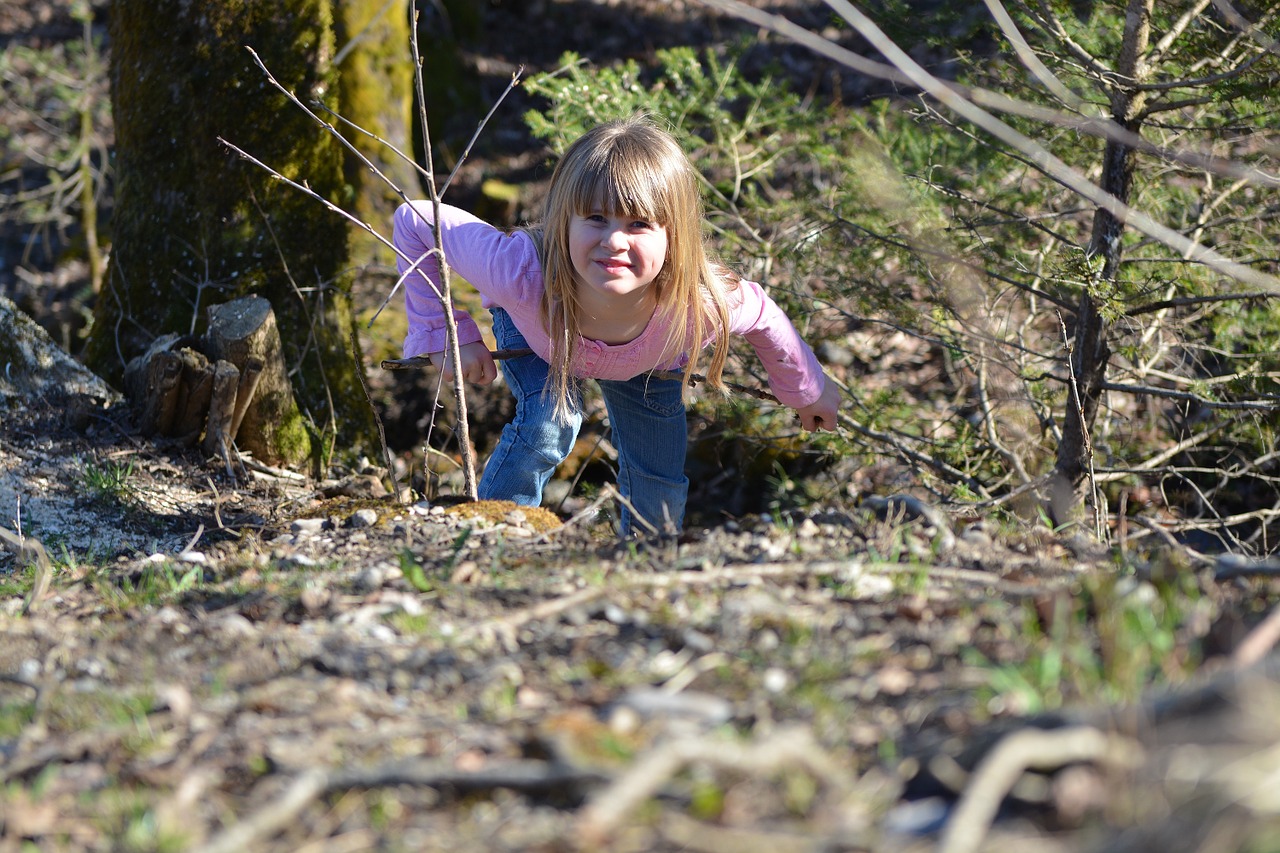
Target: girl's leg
534	443
650	433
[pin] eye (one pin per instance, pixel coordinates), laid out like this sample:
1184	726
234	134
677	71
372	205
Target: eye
642	225
594	217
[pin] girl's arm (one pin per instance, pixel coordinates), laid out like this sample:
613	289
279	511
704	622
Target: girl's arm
795	376
492	262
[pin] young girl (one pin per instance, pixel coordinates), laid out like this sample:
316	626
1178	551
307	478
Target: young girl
614	284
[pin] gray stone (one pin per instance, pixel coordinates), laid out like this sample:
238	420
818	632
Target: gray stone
32	365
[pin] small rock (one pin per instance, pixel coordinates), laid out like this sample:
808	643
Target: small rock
363	518
775	680
307	526
370	579
236	625
894	680
315	599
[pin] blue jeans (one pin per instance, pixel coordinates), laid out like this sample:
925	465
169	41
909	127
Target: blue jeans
648	426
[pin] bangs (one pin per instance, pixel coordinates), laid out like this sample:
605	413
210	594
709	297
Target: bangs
618	185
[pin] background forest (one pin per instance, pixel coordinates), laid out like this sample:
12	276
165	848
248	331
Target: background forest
1039	260
1022	600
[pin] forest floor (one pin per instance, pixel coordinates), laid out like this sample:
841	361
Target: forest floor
192	659
278	664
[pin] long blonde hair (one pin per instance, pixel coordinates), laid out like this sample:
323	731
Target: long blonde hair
634	168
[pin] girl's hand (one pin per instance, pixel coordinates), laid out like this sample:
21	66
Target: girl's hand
477	362
821	413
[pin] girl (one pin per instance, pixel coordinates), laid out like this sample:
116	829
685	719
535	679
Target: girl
614	283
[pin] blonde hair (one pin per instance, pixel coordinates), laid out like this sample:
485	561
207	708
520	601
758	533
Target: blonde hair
634	168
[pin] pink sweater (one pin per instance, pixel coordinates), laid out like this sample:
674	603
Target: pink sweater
504	268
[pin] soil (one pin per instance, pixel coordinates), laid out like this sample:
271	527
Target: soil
194	658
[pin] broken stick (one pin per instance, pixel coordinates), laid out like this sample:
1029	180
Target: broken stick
502	354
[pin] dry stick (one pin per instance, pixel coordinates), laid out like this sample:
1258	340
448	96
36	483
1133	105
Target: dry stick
622	499
272	817
521	775
445	289
790	747
30	548
501	354
1258	642
377	419
507	625
1028	749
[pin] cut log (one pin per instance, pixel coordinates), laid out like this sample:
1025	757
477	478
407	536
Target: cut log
243	332
222	405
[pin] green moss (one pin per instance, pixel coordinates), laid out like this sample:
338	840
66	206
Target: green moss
293	438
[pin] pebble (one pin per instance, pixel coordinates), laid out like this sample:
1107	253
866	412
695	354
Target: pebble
363	518
237	626
371	578
776	680
307	525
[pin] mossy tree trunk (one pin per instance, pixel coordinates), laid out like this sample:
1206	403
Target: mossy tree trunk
195	225
376	84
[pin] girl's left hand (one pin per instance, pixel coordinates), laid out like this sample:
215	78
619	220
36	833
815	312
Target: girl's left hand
821	413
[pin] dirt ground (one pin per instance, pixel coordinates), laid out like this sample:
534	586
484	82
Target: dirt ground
191	660
280	664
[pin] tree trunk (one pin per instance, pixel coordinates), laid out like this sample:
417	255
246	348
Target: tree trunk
376	85
1090	352
195	225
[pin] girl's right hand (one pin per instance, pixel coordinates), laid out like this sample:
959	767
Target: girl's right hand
477	362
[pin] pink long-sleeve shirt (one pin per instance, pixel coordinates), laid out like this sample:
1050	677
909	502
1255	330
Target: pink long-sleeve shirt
504	268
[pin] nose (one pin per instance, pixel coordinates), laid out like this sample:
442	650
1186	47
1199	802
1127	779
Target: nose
614	237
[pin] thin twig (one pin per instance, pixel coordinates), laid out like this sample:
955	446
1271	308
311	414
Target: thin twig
377	417
506	626
32	550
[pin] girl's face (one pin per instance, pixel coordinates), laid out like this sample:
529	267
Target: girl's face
614	254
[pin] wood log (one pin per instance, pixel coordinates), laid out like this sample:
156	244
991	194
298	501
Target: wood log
244	333
152	382
194	391
222	405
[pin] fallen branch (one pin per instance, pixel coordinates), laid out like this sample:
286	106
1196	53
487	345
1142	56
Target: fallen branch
1028	749
793	747
505	627
502	354
313	783
1259	642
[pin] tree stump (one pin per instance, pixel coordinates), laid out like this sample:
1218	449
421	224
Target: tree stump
230	388
266	417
